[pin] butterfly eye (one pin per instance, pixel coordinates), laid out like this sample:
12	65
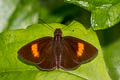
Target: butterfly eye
34	48
80	49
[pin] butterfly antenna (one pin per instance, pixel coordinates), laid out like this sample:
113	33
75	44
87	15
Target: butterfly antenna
47	24
67	26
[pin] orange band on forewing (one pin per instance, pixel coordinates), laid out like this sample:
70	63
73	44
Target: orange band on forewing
35	50
80	49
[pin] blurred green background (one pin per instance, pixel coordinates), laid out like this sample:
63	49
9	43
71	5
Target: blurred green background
103	16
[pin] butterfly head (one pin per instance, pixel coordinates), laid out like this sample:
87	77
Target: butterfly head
58	32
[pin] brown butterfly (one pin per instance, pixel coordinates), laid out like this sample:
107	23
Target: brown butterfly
49	53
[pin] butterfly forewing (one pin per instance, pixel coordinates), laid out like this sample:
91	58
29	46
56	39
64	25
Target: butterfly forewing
75	52
33	51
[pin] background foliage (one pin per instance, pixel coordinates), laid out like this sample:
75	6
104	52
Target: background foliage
94	16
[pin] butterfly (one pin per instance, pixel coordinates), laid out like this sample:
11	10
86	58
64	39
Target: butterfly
49	53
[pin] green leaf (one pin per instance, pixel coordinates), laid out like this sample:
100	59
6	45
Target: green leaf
110	40
25	14
105	13
12	68
18	14
112	58
46	15
6	9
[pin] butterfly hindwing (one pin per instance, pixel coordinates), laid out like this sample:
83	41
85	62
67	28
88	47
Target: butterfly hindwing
49	63
75	52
